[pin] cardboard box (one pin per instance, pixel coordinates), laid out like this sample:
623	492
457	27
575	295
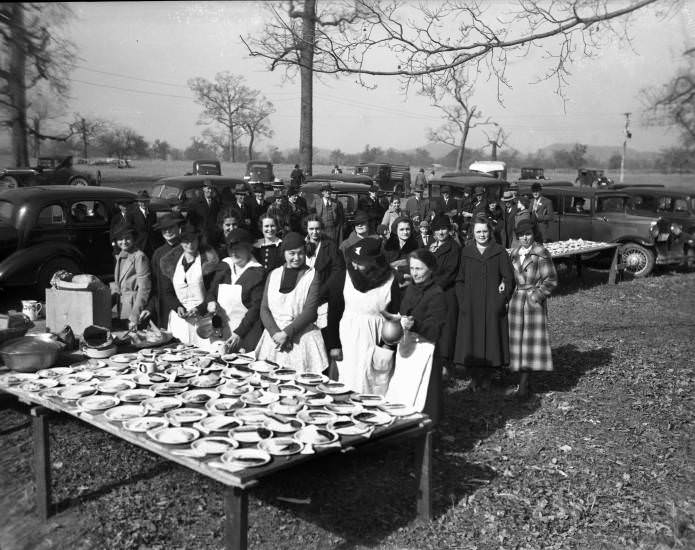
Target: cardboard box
78	309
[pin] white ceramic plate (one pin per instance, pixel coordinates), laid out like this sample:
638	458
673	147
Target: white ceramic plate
316	417
310	378
76	378
250	434
14	378
173	357
236	374
55	372
185	415
290	390
348	427
136	395
78	391
285	374
280	428
224	405
281	446
315	435
318	399
90	364
344	407
262	366
198	397
252	416
181	371
124	412
115	385
214	445
233	390
373	417
287	406
398	409
333	388
124	357
259	398
238	359
367	399
160	405
204	381
173	435
145	423
97	403
38	384
169	388
246	458
217	424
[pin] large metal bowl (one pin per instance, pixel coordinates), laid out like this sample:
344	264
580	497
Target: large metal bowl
30	353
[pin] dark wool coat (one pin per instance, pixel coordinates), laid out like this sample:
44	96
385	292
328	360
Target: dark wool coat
374	209
252	282
204	216
542	214
482	336
157	305
328	263
256	210
536	278
146	238
448	256
508	219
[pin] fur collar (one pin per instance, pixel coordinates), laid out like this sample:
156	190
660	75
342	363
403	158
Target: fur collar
208	258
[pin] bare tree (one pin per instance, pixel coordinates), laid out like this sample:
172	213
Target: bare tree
223	102
41	109
496	140
254	121
452	93
33	52
87	130
295	38
673	104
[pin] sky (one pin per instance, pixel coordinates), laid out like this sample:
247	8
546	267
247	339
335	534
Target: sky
135	59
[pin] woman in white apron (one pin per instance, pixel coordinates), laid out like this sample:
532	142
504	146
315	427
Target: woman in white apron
288	312
323	255
236	293
417	377
357	301
187	270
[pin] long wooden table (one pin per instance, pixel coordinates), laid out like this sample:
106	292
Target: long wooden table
616	267
236	484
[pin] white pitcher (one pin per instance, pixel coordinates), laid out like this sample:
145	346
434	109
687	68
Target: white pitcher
31	308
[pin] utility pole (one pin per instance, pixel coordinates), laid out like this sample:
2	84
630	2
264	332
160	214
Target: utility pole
628	135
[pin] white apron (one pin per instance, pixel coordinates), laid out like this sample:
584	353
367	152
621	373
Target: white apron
360	332
411	375
322	311
190	291
229	298
308	354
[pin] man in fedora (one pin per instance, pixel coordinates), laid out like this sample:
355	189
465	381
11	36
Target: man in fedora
241	204
280	210
144	220
416	207
297	208
509	209
203	212
542	212
257	207
170	227
373	206
331	213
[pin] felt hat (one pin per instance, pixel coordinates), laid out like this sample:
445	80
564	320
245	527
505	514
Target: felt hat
258	188
292	190
507	196
326	187
374	188
365	252
440	222
479	190
523	226
361	218
239	236
240	189
125	200
167	221
189	232
208	183
292	241
425	223
143	196
122	230
445	189
536	187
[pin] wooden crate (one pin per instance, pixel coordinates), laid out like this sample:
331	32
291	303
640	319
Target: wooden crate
78	309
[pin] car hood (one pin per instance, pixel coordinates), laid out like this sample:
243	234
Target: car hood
159	204
8	239
18	172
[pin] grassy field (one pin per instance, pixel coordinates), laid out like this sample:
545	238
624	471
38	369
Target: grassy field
601	458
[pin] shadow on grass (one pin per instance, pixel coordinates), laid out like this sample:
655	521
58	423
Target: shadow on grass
570	365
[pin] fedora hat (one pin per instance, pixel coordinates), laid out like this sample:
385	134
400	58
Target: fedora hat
143	196
523	226
361	218
507	196
122	230
167	221
239	236
365	252
189	232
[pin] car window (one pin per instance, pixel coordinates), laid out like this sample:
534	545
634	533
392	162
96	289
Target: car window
51	215
6	212
680	205
165	191
578	204
646	203
348	203
663	204
610	204
88	212
191	194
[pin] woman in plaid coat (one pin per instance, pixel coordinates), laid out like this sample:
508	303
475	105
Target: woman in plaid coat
529	344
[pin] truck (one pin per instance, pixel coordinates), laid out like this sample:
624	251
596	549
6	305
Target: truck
389	177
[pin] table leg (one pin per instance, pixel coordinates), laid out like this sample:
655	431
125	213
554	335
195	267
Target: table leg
42	465
424	467
613	273
236	522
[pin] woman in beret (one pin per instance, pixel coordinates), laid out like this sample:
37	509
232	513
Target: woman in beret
268	249
401	242
536	278
131	275
236	293
187	271
361	230
484	284
288	313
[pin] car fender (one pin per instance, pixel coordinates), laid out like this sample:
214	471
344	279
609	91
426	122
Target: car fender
634	239
21	268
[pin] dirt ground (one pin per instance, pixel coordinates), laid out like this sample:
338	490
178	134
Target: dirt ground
601	457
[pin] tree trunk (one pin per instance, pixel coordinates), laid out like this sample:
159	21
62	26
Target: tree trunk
306	56
16	85
464	139
37	140
84	138
493	154
232	145
251	136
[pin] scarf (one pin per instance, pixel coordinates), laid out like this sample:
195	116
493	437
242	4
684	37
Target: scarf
290	275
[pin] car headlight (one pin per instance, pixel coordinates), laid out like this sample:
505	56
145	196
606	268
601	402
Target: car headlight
676	229
654	230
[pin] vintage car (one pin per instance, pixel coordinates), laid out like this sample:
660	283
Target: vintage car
532	173
676	203
648	239
205	168
347	188
173	193
493	187
260	171
48	171
394	178
44	229
592	177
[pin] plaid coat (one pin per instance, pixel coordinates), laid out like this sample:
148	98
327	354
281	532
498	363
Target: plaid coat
529	344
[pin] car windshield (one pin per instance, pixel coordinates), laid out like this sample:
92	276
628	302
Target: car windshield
6	212
164	191
664	203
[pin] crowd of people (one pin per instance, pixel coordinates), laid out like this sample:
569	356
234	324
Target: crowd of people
410	293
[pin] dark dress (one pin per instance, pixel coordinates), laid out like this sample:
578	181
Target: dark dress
482	335
204	217
146	238
158	305
394	252
270	256
252	283
425	303
448	254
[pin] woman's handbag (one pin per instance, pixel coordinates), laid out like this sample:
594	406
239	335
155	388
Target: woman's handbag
380	371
